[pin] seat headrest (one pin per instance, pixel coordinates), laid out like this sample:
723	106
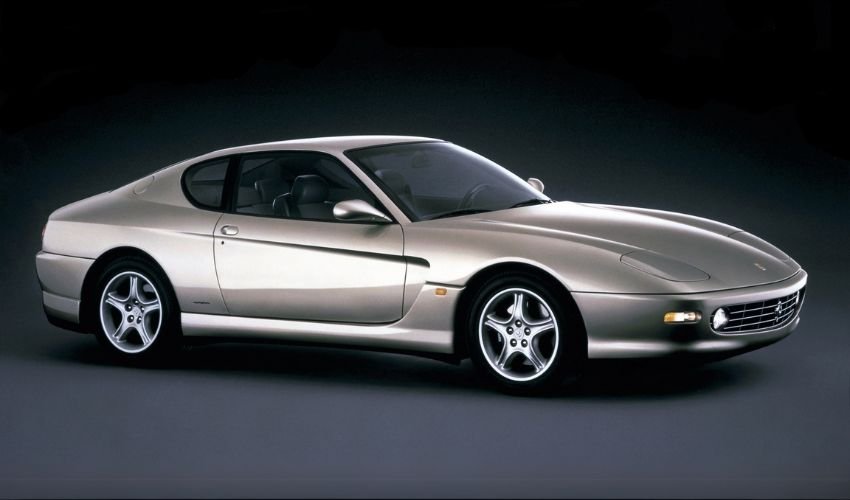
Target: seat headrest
309	189
394	180
269	189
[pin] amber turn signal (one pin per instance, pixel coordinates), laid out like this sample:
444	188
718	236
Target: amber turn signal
682	317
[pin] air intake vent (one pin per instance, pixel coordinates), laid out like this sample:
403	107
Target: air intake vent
765	315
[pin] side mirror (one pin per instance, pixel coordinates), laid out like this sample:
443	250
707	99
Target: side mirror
535	183
358	211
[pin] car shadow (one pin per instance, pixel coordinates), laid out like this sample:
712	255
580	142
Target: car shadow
608	379
659	378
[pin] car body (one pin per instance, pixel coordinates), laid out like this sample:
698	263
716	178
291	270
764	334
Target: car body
240	259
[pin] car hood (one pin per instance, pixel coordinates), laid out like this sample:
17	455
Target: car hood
730	257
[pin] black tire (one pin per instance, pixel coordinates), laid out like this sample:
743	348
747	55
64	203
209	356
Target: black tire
567	355
167	339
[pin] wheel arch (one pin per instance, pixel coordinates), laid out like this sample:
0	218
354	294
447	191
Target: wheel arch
481	277
88	313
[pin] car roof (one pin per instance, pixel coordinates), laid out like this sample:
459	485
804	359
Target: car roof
323	144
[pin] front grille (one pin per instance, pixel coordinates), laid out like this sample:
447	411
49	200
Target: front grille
762	315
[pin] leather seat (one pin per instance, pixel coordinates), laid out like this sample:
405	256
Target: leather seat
270	189
307	200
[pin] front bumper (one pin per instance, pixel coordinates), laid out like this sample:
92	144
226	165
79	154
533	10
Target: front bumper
632	325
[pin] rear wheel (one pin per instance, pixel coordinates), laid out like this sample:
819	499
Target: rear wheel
521	337
136	311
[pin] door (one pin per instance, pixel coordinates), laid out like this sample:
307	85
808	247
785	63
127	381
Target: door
300	263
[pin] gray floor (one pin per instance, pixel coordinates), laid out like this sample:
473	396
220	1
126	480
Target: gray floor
249	420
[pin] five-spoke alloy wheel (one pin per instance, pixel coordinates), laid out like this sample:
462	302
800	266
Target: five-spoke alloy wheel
523	336
135	316
518	334
130	312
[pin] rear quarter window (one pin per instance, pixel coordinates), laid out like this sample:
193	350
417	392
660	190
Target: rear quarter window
204	183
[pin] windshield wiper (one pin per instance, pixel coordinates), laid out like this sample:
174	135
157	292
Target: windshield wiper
533	201
462	211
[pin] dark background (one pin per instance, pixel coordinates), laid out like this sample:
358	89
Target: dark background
734	111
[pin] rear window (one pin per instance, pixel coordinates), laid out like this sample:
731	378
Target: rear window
204	183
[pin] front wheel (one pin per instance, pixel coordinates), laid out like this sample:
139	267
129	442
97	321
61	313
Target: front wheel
522	337
136	311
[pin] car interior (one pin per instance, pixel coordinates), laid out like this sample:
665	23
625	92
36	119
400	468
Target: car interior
399	169
307	185
295	185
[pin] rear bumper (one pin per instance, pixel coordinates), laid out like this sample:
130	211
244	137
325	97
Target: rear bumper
632	326
61	280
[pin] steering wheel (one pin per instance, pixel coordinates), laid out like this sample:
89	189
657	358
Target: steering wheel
470	195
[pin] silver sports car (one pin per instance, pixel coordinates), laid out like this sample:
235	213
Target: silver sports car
405	244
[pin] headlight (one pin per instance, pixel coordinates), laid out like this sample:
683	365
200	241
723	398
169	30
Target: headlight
759	244
662	267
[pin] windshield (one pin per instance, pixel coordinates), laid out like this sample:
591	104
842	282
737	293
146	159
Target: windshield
437	179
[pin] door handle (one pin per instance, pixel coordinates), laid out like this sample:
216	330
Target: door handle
229	230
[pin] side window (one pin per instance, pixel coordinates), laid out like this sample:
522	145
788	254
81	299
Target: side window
295	185
204	183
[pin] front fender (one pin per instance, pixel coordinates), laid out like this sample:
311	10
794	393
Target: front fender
581	264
